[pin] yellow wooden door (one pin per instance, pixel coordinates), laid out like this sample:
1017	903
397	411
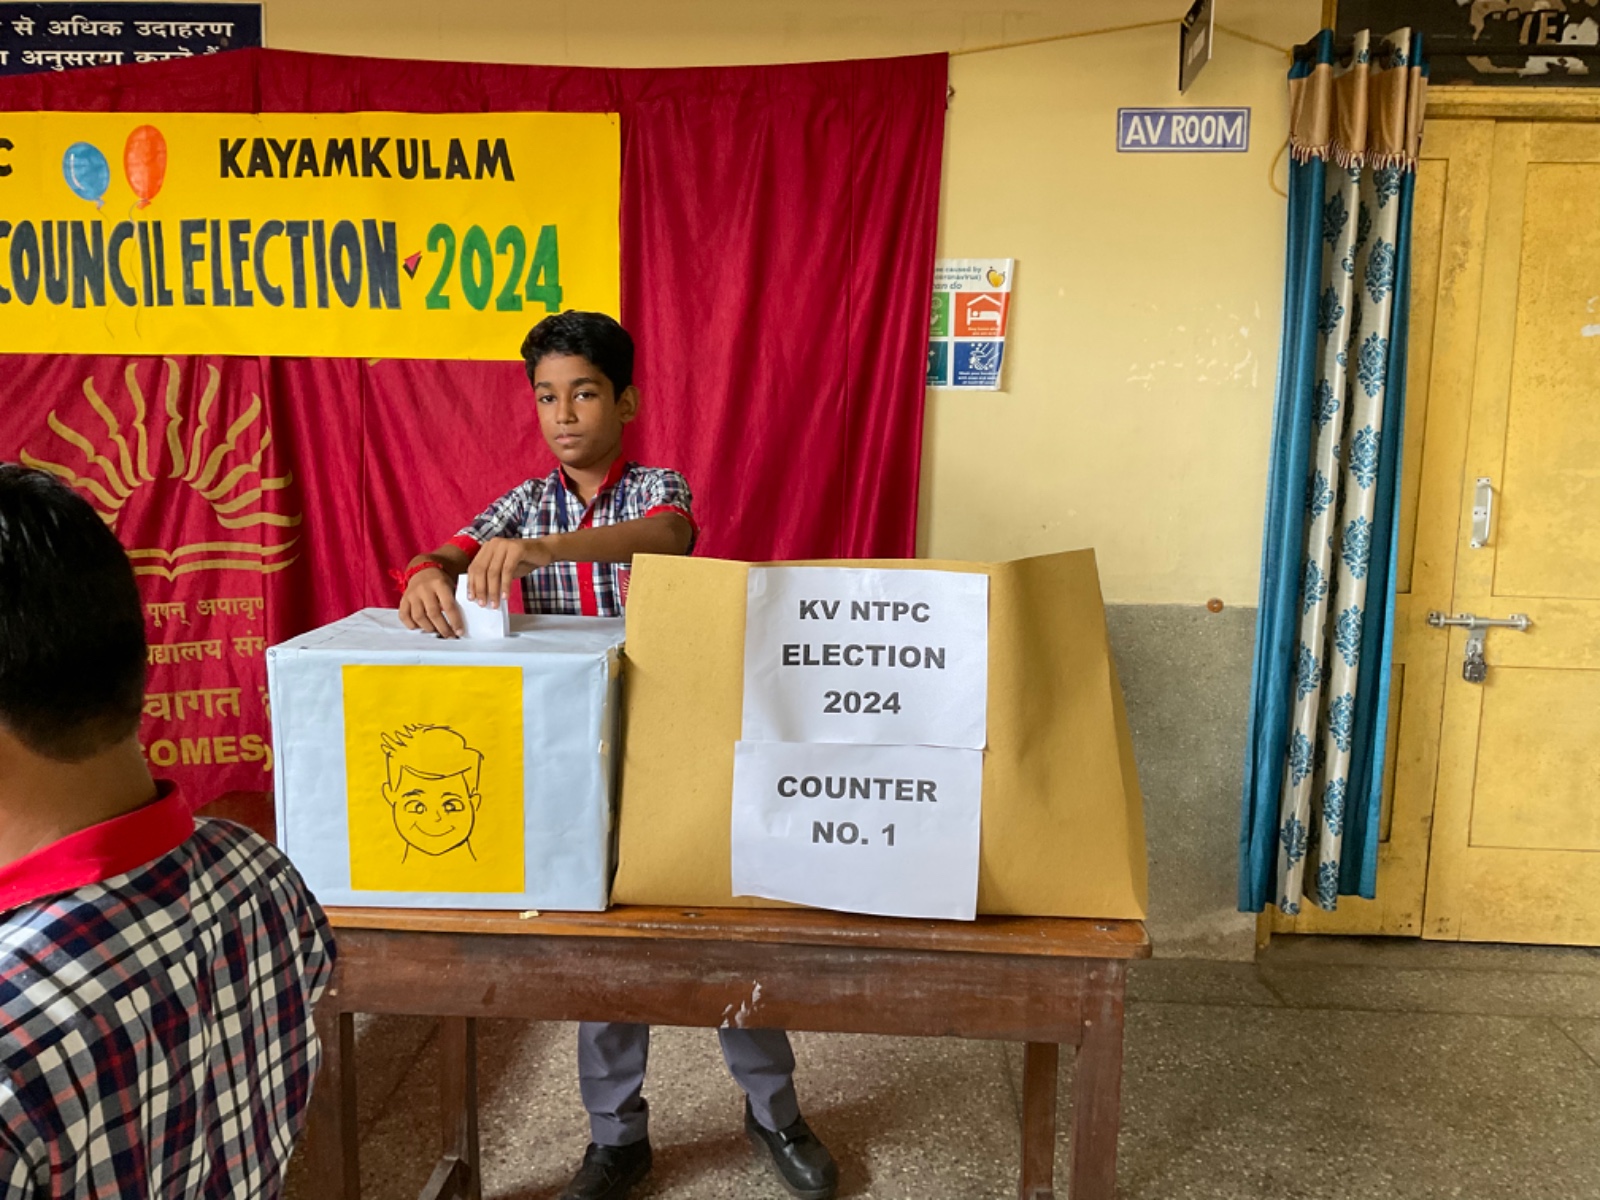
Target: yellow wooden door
1448	230
1491	813
1516	830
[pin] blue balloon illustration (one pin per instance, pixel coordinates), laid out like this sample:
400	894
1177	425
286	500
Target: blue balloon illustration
86	171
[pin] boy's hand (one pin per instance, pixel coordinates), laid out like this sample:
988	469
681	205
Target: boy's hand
502	562
429	604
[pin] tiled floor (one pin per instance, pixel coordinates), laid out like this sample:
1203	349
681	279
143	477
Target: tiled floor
1332	1069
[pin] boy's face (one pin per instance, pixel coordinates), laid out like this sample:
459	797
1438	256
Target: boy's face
580	414
433	815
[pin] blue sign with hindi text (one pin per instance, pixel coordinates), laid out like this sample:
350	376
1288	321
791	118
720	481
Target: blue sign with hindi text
59	36
1183	130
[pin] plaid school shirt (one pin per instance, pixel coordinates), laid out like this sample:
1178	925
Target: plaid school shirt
157	981
541	507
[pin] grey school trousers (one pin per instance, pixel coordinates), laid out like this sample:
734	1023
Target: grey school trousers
611	1066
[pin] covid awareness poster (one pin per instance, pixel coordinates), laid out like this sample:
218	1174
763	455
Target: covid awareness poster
240	234
967	329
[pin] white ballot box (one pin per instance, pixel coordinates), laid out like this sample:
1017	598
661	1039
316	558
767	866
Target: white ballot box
418	772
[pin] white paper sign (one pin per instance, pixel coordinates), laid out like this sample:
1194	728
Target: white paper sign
888	830
482	622
873	657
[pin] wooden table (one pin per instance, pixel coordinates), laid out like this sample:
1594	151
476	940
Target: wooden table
1041	981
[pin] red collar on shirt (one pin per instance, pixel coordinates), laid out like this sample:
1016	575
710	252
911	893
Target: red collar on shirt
100	851
610	481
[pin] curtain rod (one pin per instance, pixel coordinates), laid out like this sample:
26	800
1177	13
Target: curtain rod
1086	33
1057	37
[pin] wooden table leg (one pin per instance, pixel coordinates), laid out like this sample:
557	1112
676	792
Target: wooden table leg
1097	1088
1040	1061
332	1137
457	1177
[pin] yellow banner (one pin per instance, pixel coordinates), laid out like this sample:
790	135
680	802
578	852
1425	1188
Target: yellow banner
360	235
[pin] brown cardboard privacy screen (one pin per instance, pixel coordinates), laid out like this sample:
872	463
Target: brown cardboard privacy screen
1063	818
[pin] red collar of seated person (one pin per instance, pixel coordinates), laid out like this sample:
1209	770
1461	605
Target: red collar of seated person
100	852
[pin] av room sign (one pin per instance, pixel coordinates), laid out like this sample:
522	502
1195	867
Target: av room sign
1183	130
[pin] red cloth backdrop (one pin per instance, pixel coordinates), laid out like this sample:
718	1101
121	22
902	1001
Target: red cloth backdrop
778	232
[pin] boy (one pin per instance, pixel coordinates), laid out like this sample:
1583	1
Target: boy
569	537
157	973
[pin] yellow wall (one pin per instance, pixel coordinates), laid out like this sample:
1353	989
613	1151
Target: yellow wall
1139	378
1139	383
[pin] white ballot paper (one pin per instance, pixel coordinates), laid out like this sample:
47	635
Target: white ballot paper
482	622
888	830
867	656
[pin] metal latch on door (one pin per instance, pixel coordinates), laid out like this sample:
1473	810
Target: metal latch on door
1474	669
1482	511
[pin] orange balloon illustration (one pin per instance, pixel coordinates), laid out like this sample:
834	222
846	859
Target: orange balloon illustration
145	160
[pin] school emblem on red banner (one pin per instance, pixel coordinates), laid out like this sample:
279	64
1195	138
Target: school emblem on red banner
179	466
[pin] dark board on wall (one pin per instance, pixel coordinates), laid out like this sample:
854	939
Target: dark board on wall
1515	42
62	36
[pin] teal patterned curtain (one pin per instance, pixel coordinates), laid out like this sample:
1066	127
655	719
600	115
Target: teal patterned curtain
1314	772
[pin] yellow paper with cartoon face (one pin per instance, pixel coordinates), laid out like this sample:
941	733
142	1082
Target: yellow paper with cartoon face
433	776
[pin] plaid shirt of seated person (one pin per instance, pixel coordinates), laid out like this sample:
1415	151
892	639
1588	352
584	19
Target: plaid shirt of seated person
551	505
158	977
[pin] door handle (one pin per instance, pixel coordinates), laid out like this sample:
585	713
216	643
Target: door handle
1474	669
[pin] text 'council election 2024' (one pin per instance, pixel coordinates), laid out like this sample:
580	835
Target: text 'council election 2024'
224	263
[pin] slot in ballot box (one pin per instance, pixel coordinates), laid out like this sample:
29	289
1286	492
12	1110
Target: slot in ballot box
418	772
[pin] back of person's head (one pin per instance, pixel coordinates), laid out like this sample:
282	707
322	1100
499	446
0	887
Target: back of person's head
72	648
590	335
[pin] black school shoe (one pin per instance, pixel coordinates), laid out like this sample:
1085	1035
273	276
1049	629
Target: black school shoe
803	1162
609	1172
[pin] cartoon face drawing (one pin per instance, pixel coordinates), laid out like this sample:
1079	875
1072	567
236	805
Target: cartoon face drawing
432	788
